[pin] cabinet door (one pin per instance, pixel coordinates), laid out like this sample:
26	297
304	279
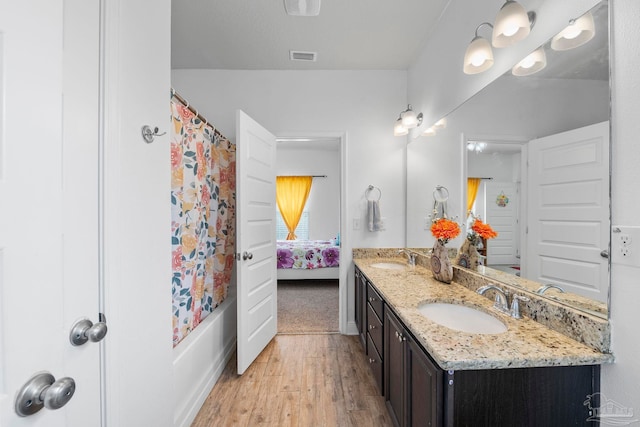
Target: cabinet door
361	307
394	367
424	388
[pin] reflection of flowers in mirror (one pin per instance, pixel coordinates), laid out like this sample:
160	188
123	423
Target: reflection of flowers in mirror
480	230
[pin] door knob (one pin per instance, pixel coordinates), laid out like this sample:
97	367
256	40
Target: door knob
84	330
604	254
43	391
247	255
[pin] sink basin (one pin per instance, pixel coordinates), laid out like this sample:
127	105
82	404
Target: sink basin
389	265
462	318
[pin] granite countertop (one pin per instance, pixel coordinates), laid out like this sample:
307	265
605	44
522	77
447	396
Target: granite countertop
526	343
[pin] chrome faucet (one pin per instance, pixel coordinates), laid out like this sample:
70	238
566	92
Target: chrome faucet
501	302
542	289
411	257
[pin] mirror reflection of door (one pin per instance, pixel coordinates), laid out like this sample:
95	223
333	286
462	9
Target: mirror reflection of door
498	165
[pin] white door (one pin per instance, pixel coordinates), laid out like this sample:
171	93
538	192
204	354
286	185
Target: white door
568	214
49	210
257	280
502	214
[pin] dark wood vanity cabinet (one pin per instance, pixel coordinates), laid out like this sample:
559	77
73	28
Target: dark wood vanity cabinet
368	312
413	382
361	306
420	393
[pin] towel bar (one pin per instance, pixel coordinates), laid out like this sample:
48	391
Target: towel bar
369	190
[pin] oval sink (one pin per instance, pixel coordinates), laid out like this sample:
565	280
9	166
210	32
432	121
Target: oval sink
462	318
389	265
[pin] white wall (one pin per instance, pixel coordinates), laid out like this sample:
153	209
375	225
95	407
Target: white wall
362	105
621	381
323	203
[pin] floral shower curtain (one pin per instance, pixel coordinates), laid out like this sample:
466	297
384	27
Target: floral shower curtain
203	200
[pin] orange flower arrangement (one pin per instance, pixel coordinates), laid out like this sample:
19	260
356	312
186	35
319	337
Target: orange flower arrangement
483	230
444	229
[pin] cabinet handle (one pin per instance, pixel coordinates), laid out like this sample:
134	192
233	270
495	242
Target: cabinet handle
371	299
372	327
371	361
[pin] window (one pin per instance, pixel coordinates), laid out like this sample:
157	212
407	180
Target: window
302	231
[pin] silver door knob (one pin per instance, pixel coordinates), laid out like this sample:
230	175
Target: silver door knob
43	391
604	254
247	255
84	330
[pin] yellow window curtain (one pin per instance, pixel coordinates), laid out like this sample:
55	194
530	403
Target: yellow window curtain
472	192
291	195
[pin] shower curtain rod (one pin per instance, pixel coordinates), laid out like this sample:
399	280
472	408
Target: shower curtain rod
194	111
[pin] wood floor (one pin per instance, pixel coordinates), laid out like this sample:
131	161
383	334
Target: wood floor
298	380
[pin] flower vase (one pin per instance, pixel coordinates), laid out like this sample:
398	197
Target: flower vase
468	256
441	264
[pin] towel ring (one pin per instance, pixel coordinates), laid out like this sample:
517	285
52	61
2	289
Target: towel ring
369	190
441	194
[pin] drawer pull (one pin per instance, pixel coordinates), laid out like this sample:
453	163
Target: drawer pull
371	361
371	299
372	327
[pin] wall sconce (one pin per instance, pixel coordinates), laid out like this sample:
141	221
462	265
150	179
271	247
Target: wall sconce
512	24
441	124
578	32
534	62
407	120
398	129
430	131
479	55
476	146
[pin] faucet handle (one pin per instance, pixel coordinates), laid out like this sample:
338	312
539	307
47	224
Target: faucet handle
515	306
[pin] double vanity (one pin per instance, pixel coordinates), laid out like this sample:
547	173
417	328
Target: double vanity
445	355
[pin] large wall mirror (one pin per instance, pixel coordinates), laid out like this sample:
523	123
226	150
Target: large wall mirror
540	144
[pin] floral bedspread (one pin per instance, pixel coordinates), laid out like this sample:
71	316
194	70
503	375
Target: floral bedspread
307	254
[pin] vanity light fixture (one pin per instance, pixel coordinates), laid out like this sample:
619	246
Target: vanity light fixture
534	62
512	24
441	124
578	32
409	118
476	146
399	129
430	131
479	55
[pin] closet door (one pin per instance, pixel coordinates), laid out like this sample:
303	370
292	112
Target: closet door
256	201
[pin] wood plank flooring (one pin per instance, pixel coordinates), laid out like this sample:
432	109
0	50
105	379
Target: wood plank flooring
298	380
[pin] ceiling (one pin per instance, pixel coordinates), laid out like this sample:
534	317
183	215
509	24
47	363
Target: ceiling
258	34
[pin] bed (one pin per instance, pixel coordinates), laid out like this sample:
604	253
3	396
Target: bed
307	259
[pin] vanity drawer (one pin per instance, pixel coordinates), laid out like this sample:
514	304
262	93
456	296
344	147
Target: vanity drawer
375	300
374	328
375	362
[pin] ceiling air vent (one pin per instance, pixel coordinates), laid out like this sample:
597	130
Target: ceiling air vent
296	55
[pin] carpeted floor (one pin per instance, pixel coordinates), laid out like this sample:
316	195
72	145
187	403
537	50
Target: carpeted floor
307	306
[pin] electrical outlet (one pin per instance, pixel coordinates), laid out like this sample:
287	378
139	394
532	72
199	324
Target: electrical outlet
623	248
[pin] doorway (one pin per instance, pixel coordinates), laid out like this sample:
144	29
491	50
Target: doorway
322	155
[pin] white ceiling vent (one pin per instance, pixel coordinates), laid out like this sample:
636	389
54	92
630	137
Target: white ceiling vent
302	7
296	55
